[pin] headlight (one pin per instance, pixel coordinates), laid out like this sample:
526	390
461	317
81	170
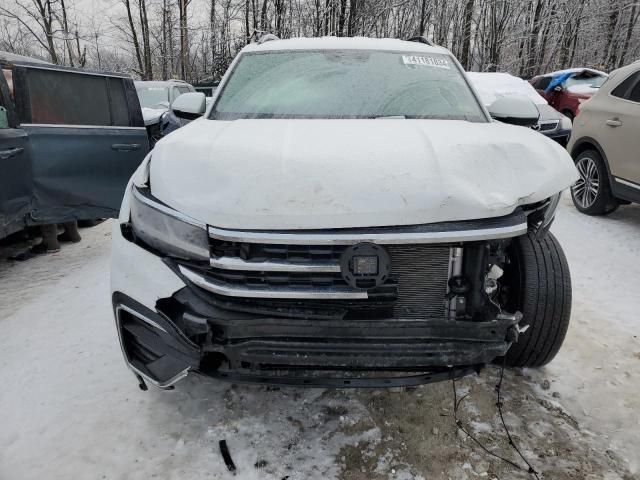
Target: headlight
167	230
550	211
565	123
541	215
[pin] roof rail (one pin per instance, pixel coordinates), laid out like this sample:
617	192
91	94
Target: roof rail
422	39
260	37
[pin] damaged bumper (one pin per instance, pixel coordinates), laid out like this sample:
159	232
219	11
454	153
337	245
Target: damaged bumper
292	351
173	319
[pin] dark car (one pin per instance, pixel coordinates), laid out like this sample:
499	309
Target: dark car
491	86
565	90
69	143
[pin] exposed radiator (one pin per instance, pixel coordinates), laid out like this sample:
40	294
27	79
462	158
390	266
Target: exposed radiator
422	273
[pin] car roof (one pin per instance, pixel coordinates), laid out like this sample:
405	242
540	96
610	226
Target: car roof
627	69
575	70
14	57
344	43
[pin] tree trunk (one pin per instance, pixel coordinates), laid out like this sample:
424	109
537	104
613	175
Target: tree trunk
134	37
263	16
146	44
65	27
246	22
633	18
465	59
212	37
184	39
532	50
342	18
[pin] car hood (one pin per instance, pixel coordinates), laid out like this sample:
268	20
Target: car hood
314	174
547	113
152	115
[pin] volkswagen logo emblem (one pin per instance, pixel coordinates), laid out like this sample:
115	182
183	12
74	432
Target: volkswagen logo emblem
365	265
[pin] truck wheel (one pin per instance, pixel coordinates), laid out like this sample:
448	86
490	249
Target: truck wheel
543	293
591	194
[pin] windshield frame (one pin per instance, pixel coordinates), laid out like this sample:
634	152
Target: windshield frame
229	74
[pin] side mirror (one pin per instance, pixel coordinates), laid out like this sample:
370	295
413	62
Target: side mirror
516	110
558	88
189	105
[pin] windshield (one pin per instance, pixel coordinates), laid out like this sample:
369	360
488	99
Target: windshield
585	80
153	97
346	84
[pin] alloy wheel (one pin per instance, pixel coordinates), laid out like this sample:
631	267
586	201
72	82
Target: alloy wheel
586	188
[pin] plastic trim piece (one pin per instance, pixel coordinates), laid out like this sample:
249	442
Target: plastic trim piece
164	385
627	183
234	263
232	291
394	238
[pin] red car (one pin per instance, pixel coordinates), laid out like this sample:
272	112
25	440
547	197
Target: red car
565	90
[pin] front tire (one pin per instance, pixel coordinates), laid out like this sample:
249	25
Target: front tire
591	194
542	276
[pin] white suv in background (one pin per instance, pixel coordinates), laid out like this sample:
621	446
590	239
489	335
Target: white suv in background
346	213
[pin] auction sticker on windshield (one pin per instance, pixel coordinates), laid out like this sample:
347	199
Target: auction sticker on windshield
425	61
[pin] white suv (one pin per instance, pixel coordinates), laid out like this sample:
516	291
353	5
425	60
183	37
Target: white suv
346	213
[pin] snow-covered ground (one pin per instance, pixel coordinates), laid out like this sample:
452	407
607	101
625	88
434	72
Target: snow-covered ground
70	408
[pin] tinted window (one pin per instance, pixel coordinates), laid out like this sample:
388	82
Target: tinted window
622	90
68	98
634	96
347	84
119	107
542	83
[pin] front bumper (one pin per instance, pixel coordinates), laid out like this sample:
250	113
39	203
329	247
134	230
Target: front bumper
169	327
296	351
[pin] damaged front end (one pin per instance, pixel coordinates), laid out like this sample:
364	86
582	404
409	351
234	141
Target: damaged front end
374	307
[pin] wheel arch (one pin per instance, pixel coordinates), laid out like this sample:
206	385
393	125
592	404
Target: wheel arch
588	143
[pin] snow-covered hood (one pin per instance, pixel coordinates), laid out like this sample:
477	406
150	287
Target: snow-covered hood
152	115
308	174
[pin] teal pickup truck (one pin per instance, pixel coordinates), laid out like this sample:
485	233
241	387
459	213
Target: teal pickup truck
69	141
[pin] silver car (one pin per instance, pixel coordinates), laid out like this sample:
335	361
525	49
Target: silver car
606	145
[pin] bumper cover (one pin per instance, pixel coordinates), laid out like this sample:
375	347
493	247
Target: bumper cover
186	334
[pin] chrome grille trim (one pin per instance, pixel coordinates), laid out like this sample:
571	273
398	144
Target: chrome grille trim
399	238
548	125
272	292
234	263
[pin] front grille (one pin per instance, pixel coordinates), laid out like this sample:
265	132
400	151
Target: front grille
281	277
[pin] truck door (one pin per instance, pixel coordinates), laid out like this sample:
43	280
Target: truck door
87	138
15	168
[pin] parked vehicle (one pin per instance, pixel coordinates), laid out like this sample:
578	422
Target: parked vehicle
376	221
606	145
491	86
156	98
71	141
565	90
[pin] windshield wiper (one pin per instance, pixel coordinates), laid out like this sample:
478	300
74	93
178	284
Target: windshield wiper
396	117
